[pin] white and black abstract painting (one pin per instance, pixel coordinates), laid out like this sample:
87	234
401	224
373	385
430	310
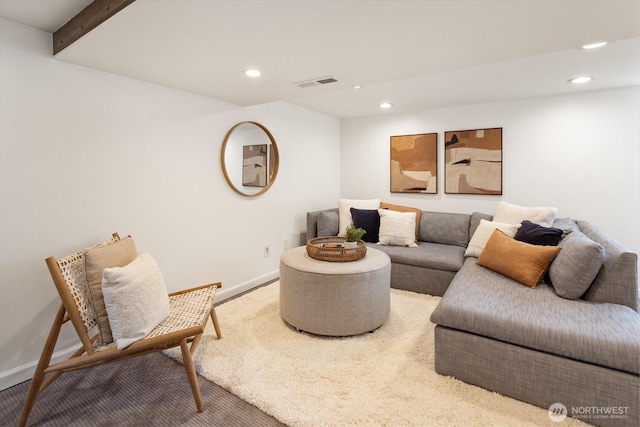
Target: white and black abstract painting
473	161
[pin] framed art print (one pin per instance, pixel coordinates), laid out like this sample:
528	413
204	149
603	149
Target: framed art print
473	161
254	165
414	163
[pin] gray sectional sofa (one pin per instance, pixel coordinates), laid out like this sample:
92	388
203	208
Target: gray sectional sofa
529	344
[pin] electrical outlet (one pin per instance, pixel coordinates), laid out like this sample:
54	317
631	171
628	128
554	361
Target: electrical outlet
285	244
267	251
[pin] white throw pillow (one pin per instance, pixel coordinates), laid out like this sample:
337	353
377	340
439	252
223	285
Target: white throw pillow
136	299
514	214
344	210
484	231
397	228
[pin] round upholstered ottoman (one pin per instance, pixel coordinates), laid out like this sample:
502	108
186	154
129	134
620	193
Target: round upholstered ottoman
334	298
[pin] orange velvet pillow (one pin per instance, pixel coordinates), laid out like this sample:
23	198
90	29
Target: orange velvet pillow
522	262
400	208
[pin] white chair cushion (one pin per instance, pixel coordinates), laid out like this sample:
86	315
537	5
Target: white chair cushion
136	299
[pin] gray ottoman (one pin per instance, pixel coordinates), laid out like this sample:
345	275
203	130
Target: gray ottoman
334	298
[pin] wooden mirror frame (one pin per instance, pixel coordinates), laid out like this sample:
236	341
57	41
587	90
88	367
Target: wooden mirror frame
274	163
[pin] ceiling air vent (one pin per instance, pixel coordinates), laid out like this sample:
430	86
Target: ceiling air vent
316	82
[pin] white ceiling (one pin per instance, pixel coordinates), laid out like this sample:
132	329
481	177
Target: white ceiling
414	54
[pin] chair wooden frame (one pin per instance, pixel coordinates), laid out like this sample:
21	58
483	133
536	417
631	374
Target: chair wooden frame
90	354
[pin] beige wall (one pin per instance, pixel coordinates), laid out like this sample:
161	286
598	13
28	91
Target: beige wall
85	153
577	152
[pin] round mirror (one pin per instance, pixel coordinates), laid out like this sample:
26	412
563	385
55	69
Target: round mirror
249	158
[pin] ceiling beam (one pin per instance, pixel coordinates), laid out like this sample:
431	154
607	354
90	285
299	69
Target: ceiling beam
85	21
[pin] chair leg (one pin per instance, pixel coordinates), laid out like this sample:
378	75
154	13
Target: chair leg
45	358
214	319
34	389
194	344
191	373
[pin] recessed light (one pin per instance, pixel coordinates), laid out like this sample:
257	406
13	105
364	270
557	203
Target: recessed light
580	80
594	45
357	87
253	73
385	105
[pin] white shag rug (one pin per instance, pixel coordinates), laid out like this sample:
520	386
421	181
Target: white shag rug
385	378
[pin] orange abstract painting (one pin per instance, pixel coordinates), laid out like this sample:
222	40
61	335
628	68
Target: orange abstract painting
414	163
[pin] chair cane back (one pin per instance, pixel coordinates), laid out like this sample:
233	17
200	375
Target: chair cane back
189	311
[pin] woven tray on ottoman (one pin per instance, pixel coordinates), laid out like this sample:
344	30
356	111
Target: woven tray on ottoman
332	249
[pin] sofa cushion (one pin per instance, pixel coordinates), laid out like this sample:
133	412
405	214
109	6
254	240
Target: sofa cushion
397	228
483	232
312	222
577	265
369	221
486	303
567	225
400	208
514	214
445	228
617	280
535	234
430	255
344	210
474	222
328	224
520	261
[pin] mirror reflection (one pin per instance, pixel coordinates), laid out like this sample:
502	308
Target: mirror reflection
249	158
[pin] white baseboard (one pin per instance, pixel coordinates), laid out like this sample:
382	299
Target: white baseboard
225	293
25	372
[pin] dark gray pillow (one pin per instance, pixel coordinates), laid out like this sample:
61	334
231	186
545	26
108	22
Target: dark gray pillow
576	266
445	228
328	224
474	222
567	225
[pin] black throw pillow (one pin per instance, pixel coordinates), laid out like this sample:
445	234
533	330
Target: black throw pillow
536	234
369	220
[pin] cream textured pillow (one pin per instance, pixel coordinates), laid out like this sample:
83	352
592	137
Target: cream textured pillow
520	261
136	299
401	208
514	214
483	232
117	254
397	228
344	210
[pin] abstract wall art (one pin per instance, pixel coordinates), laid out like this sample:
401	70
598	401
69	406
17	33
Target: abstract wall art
473	161
254	165
414	163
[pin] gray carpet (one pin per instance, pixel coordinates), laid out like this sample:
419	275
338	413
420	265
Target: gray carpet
150	390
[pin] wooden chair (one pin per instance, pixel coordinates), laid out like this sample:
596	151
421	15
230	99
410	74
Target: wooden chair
189	312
